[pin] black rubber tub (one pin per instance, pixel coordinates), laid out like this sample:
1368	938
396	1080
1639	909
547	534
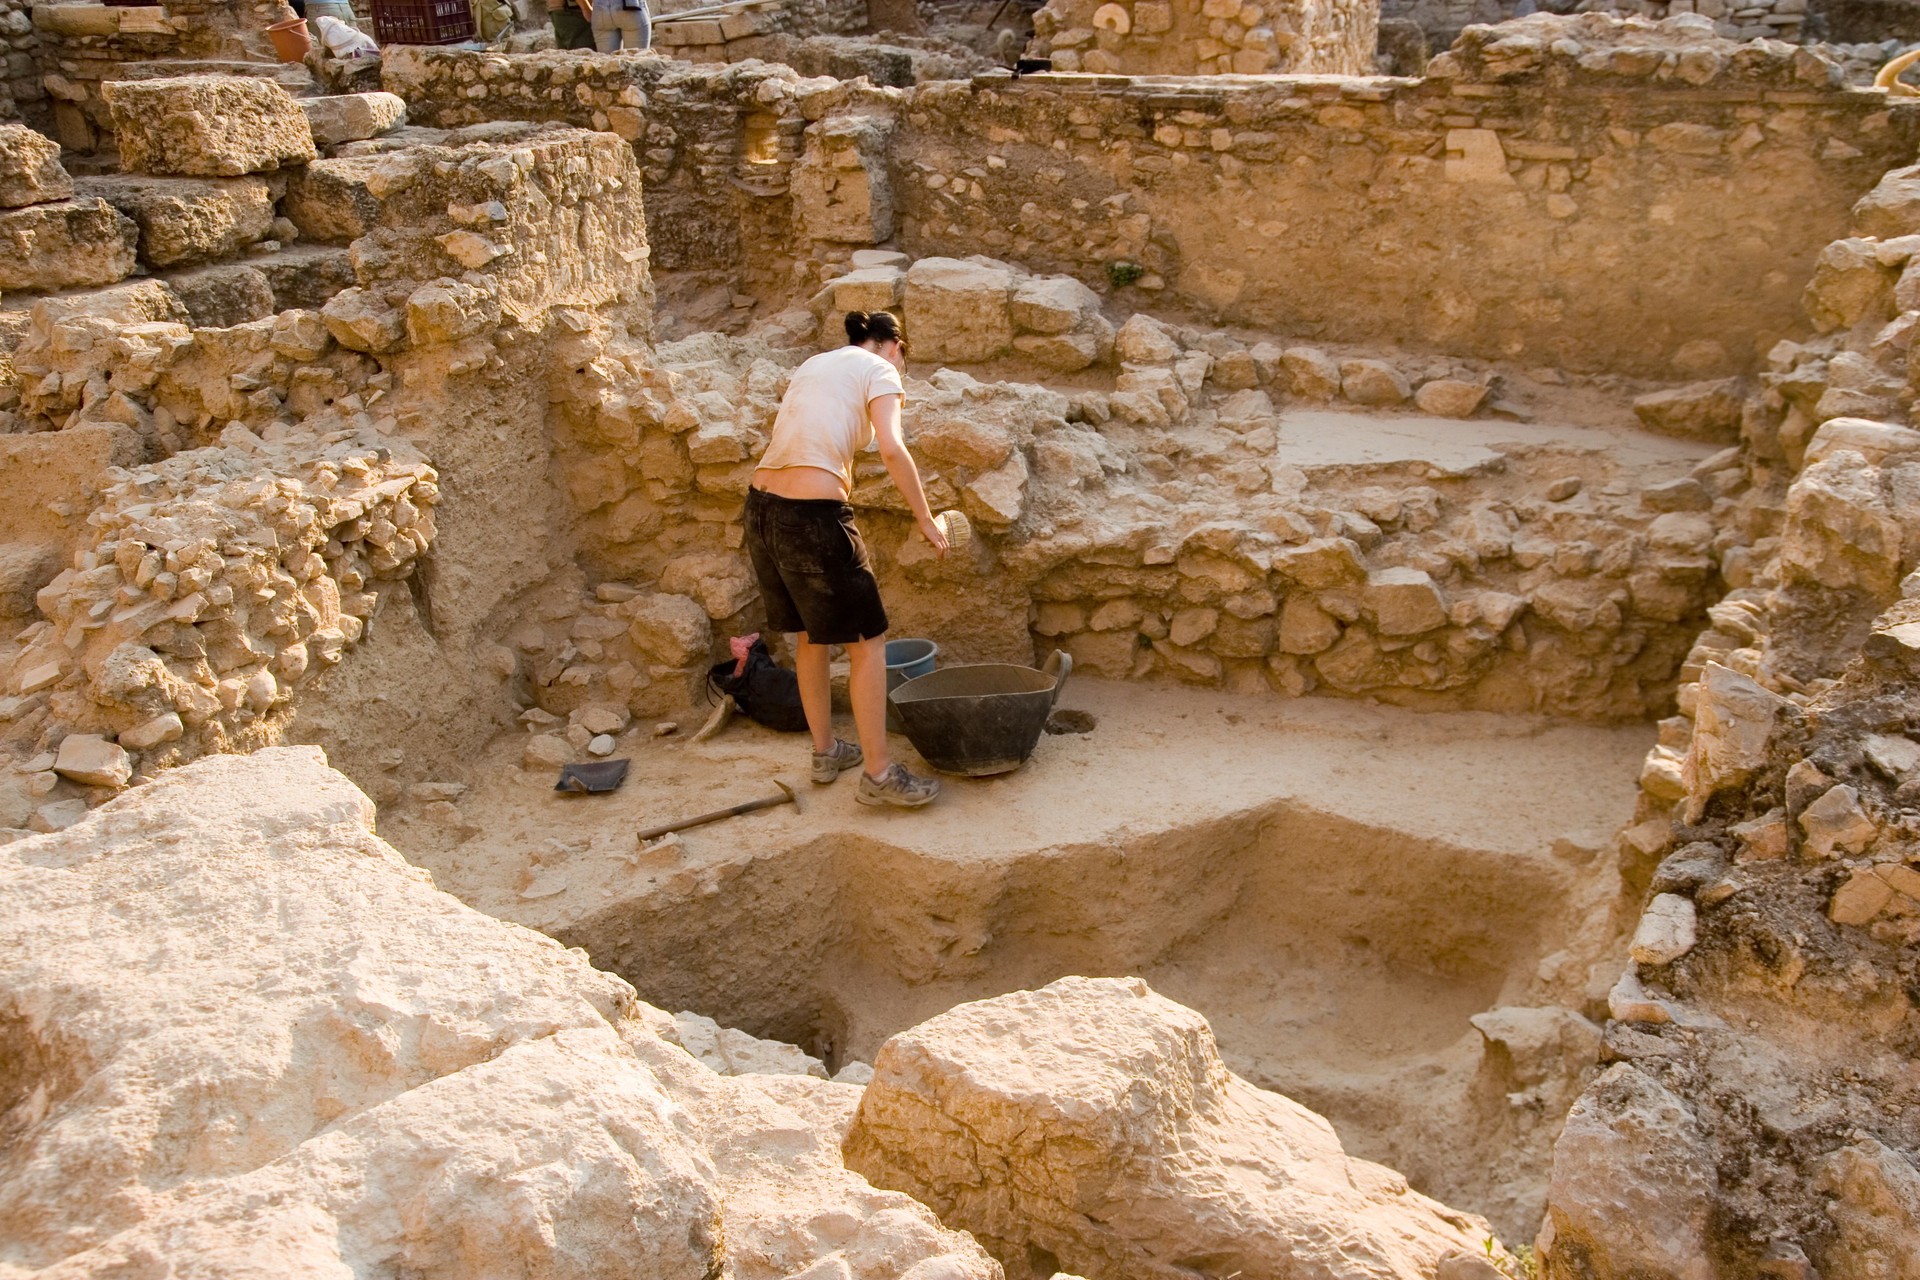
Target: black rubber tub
983	719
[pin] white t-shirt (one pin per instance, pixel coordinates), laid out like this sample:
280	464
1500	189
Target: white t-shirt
823	417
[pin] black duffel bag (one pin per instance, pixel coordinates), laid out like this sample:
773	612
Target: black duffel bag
763	691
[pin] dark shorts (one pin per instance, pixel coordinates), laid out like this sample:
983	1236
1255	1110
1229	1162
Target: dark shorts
814	571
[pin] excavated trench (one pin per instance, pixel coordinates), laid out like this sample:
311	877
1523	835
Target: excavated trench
1339	888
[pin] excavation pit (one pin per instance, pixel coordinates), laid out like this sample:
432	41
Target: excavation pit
1338	887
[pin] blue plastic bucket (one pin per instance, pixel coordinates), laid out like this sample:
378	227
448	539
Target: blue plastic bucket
906	660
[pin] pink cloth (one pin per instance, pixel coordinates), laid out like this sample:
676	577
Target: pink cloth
741	646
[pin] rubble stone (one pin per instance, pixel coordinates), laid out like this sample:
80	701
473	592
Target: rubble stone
89	758
30	168
184	221
67	244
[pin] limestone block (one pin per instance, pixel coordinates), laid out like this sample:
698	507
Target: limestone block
1093	1120
1402	601
25	567
1849	284
90	759
1064	352
963	440
1144	340
1892	208
184	221
733	1052
66	244
449	310
840	188
362	321
1053	304
30	169
1311	373
1666	930
1860	898
1836	823
224	294
1734	719
1321	563
1841	530
1708	411
958	311
1373	383
1631	1192
545	751
868	289
1306	628
999	497
151	733
331	201
1450	397
1875	442
207	126
1476	156
1245	411
672	630
353	117
722	583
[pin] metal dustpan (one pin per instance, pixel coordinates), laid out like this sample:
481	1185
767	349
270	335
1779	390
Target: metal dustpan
592	778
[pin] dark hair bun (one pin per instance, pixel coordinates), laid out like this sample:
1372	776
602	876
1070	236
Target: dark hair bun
873	326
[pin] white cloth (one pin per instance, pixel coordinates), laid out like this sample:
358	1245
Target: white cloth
823	418
341	40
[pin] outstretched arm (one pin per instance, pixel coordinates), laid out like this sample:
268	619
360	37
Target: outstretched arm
885	414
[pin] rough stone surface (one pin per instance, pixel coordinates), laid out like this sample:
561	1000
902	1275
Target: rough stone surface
66	244
184	221
352	117
1093	1119
957	310
30	169
207	126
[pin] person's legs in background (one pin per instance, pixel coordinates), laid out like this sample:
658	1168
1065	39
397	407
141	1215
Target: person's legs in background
570	28
606	31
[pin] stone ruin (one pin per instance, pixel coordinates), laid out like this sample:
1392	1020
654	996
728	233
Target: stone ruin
1482	503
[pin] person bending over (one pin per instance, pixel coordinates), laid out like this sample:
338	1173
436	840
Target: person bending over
813	567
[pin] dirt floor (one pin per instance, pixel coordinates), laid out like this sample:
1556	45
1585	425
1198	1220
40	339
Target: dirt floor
1338	886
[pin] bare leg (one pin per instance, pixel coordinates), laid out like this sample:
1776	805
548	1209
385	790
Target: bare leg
816	688
867	688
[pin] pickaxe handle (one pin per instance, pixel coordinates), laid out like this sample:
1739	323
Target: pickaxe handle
786	796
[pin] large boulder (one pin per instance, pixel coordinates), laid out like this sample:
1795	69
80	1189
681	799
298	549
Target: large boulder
958	311
68	244
184	221
1094	1122
207	126
30	169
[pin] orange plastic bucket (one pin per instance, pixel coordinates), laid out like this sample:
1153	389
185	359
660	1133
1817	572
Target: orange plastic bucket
290	39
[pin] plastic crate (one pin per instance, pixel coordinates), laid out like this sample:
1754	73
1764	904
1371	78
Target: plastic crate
422	21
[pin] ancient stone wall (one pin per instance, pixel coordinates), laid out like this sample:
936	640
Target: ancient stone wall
1542	206
21	96
716	146
1205	37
